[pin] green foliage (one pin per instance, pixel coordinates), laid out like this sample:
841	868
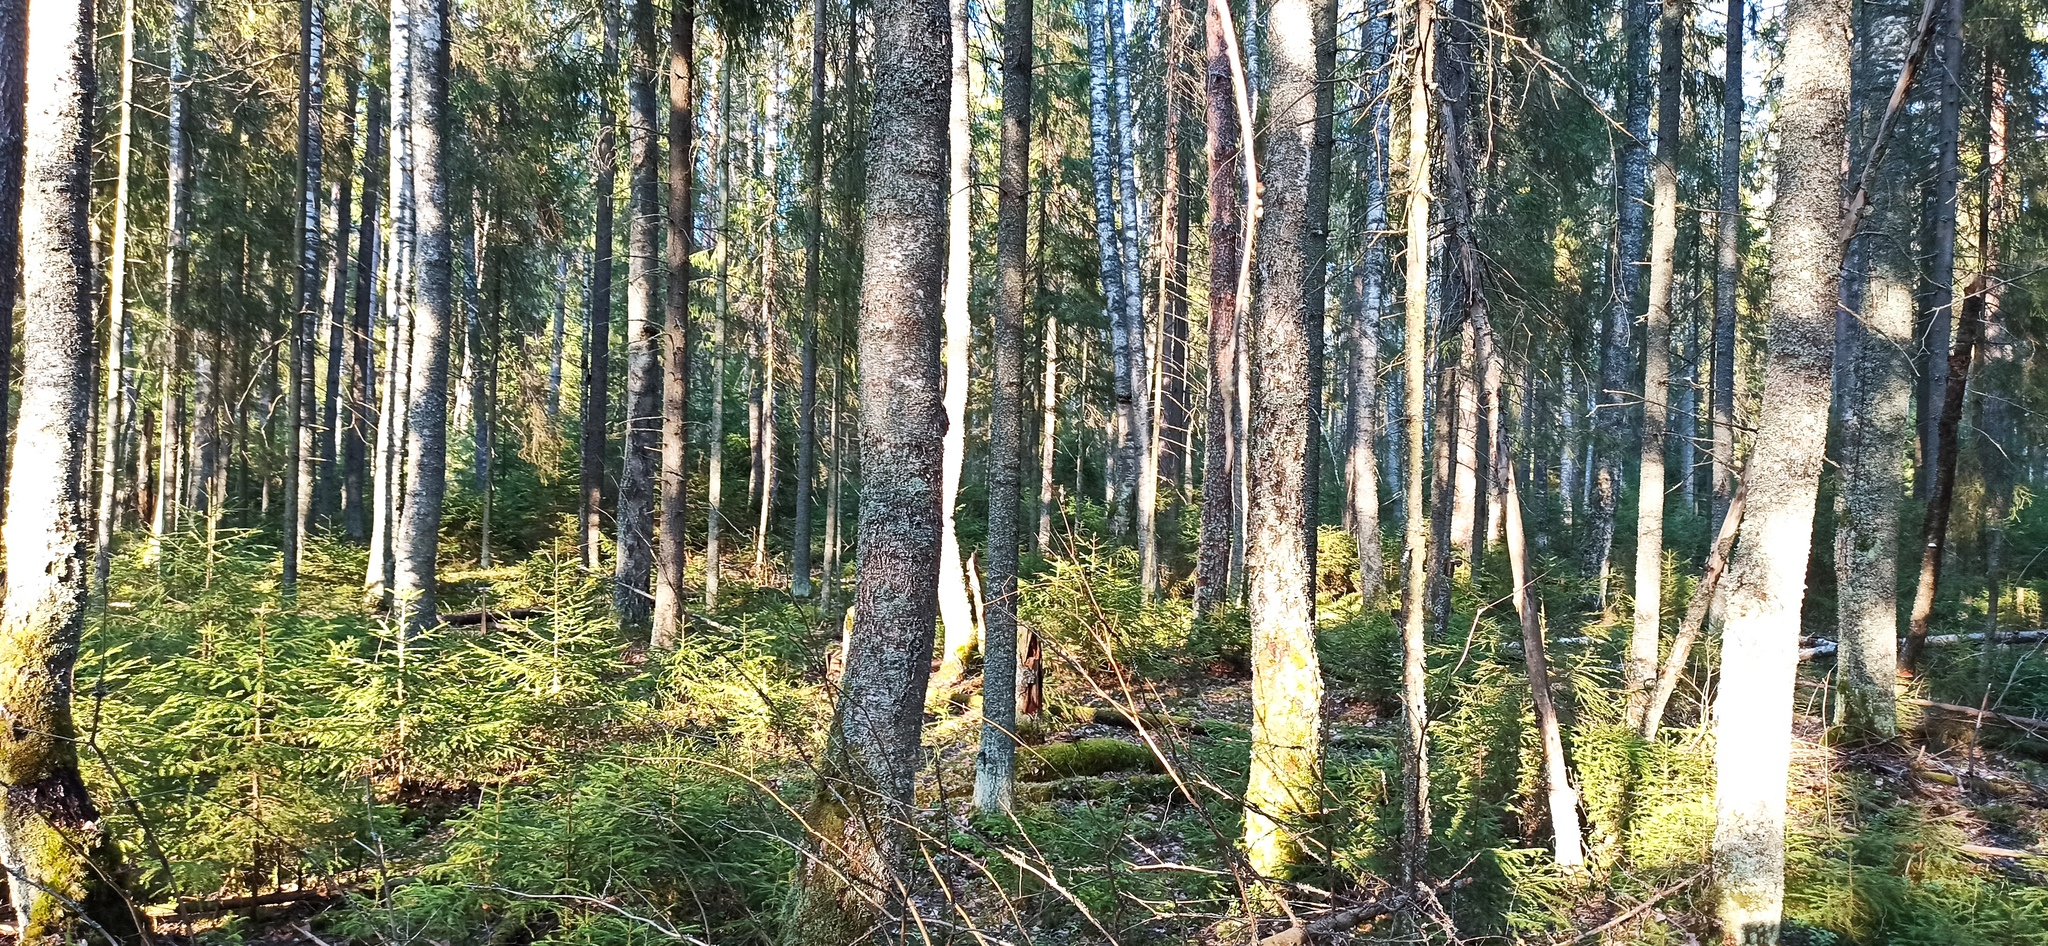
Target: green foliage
1092	610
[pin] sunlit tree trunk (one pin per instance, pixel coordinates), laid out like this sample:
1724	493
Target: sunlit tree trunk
1048	428
868	768
995	770
341	195
298	509
597	371
1876	431
58	855
1727	264
361	382
714	492
673	538
426	436
1414	637
956	616
1938	242
764	445
117	309
1766	578
1617	357
1639	672
1139	461
13	135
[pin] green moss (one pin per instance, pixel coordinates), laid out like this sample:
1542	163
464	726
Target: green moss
1083	758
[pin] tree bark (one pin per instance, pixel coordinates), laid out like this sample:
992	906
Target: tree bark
298	509
1103	154
117	311
714	492
1941	502
1228	173
1362	421
426	438
1414	638
871	757
13	139
1727	265
1284	794
674	538
1766	578
400	275
995	770
1937	294
328	502
1640	670
635	564
597	368
58	856
362	373
807	383
956	616
1142	462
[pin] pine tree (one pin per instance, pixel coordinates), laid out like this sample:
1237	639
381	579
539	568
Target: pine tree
641	443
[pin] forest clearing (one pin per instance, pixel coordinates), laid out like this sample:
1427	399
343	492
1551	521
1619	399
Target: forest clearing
625	472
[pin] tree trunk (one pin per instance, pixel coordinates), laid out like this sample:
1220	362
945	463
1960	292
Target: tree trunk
59	858
1617	359
1414	639
1937	294
871	756
13	137
807	388
362	374
1048	425
1875	427
1229	174
400	274
956	616
1361	468
426	437
674	538
1934	528
1640	670
329	500
995	770
1141	463
1997	442
1103	160
117	310
1283	797
641	443
557	334
298	509
598	333
1727	265
764	448
1766	578
714	492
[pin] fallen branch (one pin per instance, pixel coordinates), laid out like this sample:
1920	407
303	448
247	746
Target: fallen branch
1363	914
2028	725
1828	648
487	617
1631	913
275	898
1982	850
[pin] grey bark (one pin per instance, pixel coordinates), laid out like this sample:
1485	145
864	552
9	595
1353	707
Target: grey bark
305	450
117	310
362	374
597	357
714	492
673	538
640	447
13	137
1727	265
1937	293
1415	588
1226	238
329	499
1140	461
807	382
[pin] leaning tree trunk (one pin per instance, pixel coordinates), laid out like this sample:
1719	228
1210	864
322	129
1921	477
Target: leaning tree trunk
1727	265
59	858
995	770
597	368
298	507
1284	794
672	543
1640	668
1415	588
1227	191
1941	498
426	437
867	771
807	387
1617	357
1766	578
956	616
635	564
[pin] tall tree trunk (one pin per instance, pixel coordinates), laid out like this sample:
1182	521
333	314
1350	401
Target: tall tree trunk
329	500
1640	670
1414	637
764	446
1727	265
714	492
1361	470
557	335
641	442
1875	431
995	770
1048	425
1997	446
956	616
1766	578
674	539
1229	175
1139	460
598	333
400	274
1169	409
117	310
58	855
807	383
1617	358
1937	294
1283	797
868	768
362	382
304	453
1941	501
426	437
1103	154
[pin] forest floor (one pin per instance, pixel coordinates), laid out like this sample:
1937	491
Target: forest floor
296	772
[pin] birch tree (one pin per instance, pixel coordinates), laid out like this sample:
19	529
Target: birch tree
956	616
306	324
117	308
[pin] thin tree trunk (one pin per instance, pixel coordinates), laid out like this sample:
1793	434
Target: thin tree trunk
995	770
1997	444
117	310
764	448
1103	160
329	499
1361	469
1766	578
1937	296
1640	671
714	492
1934	528
1414	639
557	334
641	442
1048	426
426	437
674	538
13	138
60	858
1727	265
956	616
362	372
598	334
807	386
400	270
1229	176
1140	462
304	451
868	768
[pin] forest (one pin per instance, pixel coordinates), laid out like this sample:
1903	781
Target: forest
627	472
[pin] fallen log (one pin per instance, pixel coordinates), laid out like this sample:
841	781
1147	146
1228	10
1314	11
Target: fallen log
487	617
1827	648
2028	725
275	898
1352	918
